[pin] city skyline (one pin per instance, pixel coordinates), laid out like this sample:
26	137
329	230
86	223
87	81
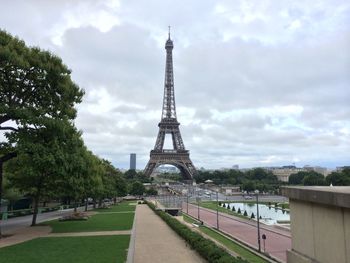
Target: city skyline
258	83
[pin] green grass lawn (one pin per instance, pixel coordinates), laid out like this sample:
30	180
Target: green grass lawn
92	249
121	207
189	219
98	222
233	246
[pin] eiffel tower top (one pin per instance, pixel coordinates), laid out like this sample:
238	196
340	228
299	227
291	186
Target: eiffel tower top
169	108
169	43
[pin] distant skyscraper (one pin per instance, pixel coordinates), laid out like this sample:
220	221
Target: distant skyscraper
132	161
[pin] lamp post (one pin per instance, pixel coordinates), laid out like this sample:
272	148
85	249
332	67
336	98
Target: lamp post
187	199
257	214
198	199
217	210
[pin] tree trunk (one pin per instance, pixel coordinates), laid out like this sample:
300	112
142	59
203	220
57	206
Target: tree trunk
99	202
94	203
75	205
36	206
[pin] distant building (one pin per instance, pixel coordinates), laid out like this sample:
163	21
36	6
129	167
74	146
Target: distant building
282	173
132	161
230	190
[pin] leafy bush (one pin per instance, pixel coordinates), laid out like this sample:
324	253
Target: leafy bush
245	213
205	247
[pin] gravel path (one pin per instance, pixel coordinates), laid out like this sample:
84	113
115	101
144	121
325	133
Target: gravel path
156	242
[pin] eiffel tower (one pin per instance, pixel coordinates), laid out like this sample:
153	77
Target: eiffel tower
178	156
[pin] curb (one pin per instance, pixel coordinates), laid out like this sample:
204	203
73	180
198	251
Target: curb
131	250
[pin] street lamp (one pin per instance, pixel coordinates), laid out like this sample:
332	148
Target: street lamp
257	214
198	199
217	210
187	198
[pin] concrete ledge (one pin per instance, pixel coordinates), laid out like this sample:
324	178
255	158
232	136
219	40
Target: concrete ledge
295	257
328	195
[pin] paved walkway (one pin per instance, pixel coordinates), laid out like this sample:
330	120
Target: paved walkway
24	234
156	242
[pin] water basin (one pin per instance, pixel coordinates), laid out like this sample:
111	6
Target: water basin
269	215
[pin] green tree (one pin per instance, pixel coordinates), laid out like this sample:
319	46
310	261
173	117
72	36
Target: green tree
137	188
314	178
76	179
40	162
10	193
34	86
248	186
339	178
130	174
121	186
297	178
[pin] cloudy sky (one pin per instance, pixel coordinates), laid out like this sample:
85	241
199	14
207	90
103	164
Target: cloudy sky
257	83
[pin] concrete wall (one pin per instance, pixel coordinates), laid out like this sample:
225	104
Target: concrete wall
320	233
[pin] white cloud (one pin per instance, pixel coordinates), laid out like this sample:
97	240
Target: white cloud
256	82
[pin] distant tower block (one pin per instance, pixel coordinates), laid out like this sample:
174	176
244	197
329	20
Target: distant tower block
132	161
178	156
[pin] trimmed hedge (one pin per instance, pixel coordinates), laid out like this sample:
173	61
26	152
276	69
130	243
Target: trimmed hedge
205	247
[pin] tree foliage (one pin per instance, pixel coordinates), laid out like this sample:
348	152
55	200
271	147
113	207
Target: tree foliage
137	188
34	84
40	162
36	91
306	178
339	178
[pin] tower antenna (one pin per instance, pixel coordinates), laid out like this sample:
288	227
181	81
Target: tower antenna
169	32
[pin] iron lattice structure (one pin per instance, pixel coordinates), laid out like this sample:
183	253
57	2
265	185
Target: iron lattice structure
178	156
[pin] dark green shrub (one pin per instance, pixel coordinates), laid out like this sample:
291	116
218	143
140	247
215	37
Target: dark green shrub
239	210
228	206
252	216
205	247
233	208
245	213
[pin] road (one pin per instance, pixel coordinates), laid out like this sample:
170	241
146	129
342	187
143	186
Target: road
207	194
12	224
277	242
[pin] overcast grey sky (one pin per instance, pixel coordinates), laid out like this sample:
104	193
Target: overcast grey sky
257	83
